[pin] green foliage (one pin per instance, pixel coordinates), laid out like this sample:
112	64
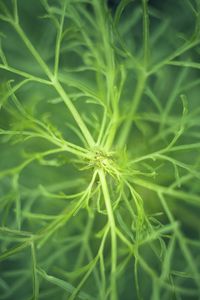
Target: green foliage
100	150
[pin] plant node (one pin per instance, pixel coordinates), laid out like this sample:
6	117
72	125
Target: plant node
106	161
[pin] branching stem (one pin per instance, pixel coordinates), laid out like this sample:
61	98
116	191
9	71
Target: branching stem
56	84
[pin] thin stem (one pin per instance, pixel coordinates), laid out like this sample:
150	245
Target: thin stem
145	32
112	131
23	165
75	114
34	270
181	239
136	100
58	40
62	144
187	46
16	16
111	219
25	75
33	51
57	86
189	198
103	125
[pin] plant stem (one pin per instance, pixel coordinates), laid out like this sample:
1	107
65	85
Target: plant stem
141	80
34	275
28	76
33	51
56	85
59	40
112	131
182	242
75	114
185	47
145	32
136	100
111	220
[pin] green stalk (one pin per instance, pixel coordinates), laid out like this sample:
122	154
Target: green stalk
111	220
34	273
112	131
88	137
33	51
125	131
56	85
141	79
59	40
145	32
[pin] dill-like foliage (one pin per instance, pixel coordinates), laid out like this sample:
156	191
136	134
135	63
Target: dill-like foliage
99	149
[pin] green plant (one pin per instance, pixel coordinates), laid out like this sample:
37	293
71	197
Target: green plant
100	164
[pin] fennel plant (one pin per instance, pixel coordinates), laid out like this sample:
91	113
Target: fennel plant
99	149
